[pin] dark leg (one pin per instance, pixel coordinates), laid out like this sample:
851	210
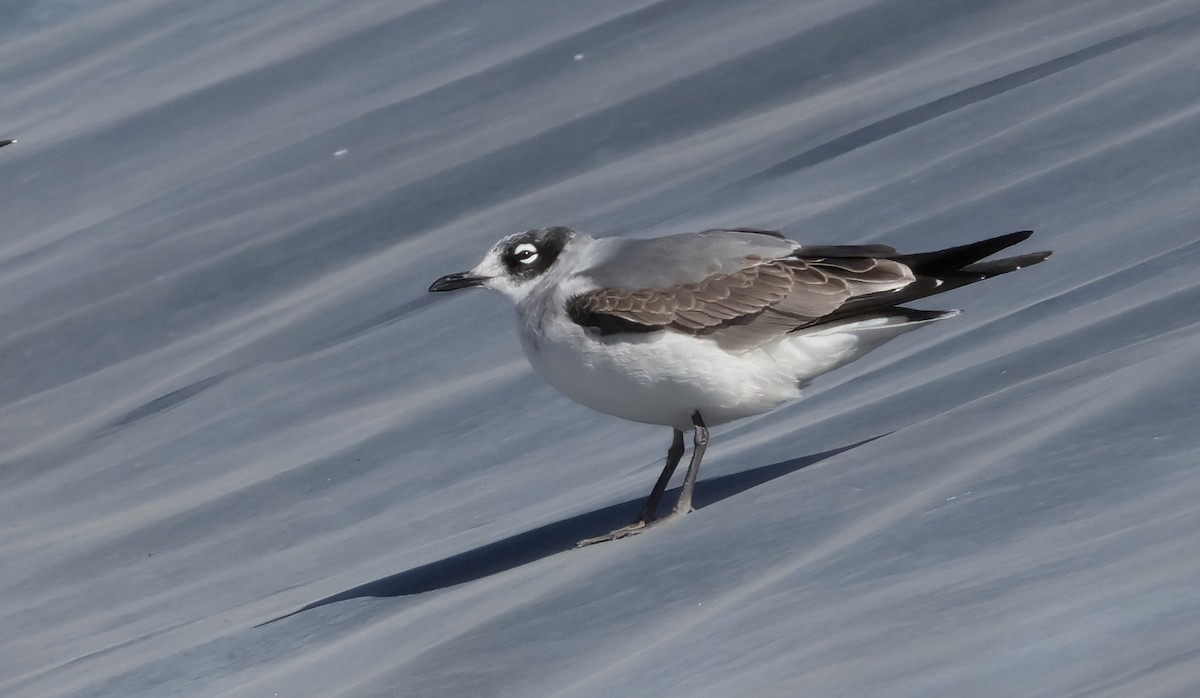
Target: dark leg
647	517
700	442
674	455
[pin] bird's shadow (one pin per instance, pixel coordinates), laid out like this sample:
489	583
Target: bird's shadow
556	537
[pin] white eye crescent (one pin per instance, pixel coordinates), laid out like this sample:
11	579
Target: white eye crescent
525	252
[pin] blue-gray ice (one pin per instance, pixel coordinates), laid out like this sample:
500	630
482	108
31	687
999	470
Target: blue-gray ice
225	394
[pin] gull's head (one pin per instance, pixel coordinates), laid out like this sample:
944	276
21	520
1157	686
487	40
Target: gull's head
514	265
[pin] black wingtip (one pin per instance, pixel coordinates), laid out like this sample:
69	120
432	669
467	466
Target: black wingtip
999	242
7	142
997	267
952	259
1013	238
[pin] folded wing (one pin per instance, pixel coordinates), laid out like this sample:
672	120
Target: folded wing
765	298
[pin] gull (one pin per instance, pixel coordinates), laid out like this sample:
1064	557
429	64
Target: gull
695	330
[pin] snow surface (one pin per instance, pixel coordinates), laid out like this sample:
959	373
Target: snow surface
225	394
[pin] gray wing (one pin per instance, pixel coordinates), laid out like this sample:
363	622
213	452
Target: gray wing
630	265
746	301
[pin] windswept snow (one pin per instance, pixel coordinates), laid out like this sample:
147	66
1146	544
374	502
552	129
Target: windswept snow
225	395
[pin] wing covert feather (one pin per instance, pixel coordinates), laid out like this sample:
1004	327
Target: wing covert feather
745	308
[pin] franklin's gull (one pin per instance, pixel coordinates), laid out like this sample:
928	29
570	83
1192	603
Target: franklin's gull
699	329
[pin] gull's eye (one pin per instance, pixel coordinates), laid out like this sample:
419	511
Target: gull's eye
525	253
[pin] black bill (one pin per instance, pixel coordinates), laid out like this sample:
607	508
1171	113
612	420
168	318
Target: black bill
453	282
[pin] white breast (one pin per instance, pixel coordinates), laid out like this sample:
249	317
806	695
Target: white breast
663	377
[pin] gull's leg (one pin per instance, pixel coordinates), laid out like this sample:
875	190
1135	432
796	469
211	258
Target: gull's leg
684	505
699	443
674	455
